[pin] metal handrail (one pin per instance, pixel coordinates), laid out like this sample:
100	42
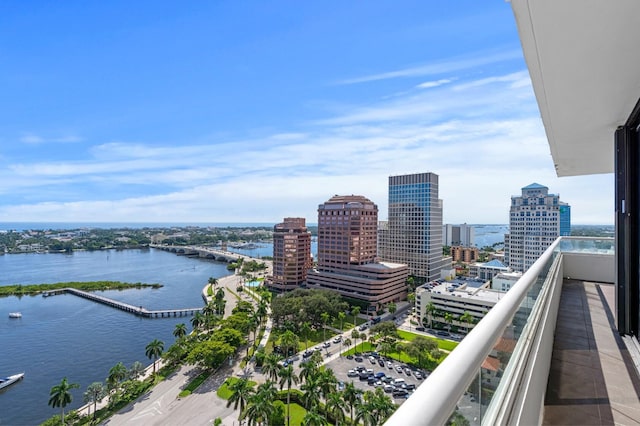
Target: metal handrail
435	400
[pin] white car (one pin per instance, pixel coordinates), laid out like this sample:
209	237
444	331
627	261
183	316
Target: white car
352	373
399	368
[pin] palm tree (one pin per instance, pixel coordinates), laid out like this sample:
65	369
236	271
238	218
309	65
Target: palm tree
288	377
136	370
305	329
336	405
260	404
154	350
95	393
240	393
430	308
347	342
271	366
219	294
117	374
384	406
180	330
355	335
289	340
262	309
355	312
341	317
308	370
61	395
325	320
212	281
351	395
312	393
467	318
327	382
197	320
448	318
312	418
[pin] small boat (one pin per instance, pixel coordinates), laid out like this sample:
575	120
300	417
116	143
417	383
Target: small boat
6	381
15	315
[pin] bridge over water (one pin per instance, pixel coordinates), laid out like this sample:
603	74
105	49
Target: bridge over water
136	310
201	251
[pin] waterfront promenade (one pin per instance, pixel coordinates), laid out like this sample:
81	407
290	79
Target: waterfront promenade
161	405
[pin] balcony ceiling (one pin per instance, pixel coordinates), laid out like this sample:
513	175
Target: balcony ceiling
584	63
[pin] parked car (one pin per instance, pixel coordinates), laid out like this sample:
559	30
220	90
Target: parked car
380	374
352	373
338	339
389	364
371	380
398	393
349	356
358	359
363	327
399	368
326	344
389	388
408	386
372	360
407	371
380	363
419	328
418	375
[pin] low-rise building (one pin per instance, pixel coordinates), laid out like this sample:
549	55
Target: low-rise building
464	254
488	270
457	297
505	280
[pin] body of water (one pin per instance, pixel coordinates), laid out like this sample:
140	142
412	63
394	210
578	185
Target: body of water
67	336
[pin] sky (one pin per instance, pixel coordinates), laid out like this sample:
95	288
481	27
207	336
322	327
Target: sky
252	111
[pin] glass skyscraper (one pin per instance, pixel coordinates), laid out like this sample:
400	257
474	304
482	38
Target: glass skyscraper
413	233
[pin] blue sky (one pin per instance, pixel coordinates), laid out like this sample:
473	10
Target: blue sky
253	111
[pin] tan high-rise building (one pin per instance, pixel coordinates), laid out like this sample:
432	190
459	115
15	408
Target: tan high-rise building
347	253
291	254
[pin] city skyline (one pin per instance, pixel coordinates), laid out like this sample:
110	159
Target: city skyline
154	112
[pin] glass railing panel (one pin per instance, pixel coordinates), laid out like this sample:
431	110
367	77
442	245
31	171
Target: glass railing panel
587	245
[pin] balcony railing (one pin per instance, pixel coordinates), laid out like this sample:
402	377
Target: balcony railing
498	373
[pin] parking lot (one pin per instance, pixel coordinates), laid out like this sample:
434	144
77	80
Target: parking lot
400	379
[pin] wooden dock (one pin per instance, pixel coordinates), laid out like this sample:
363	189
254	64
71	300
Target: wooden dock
136	310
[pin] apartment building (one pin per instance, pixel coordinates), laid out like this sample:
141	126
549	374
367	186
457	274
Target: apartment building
536	219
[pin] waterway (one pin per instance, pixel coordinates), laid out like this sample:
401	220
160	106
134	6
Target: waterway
67	336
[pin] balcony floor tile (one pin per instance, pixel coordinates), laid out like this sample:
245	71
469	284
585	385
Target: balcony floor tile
591	380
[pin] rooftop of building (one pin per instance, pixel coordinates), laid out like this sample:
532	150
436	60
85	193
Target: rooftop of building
470	288
495	263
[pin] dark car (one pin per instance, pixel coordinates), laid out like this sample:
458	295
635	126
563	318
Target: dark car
371	380
442	333
419	328
349	356
380	362
400	392
358	359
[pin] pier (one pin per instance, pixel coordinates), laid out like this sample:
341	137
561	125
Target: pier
136	310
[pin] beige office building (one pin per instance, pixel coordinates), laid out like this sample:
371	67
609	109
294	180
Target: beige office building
291	254
347	253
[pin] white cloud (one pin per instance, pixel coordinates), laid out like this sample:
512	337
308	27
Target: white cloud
436	83
448	66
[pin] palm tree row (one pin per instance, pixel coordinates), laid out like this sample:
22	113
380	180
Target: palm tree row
317	386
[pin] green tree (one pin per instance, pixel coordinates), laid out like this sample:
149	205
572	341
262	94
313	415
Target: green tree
430	308
95	393
326	381
312	418
213	282
355	335
61	395
467	319
308	371
210	353
448	318
288	377
419	347
351	395
335	404
289	340
312	393
154	350
305	330
271	366
341	317
180	330
260	404
325	319
197	320
392	308
240	393
117	374
355	311
136	370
